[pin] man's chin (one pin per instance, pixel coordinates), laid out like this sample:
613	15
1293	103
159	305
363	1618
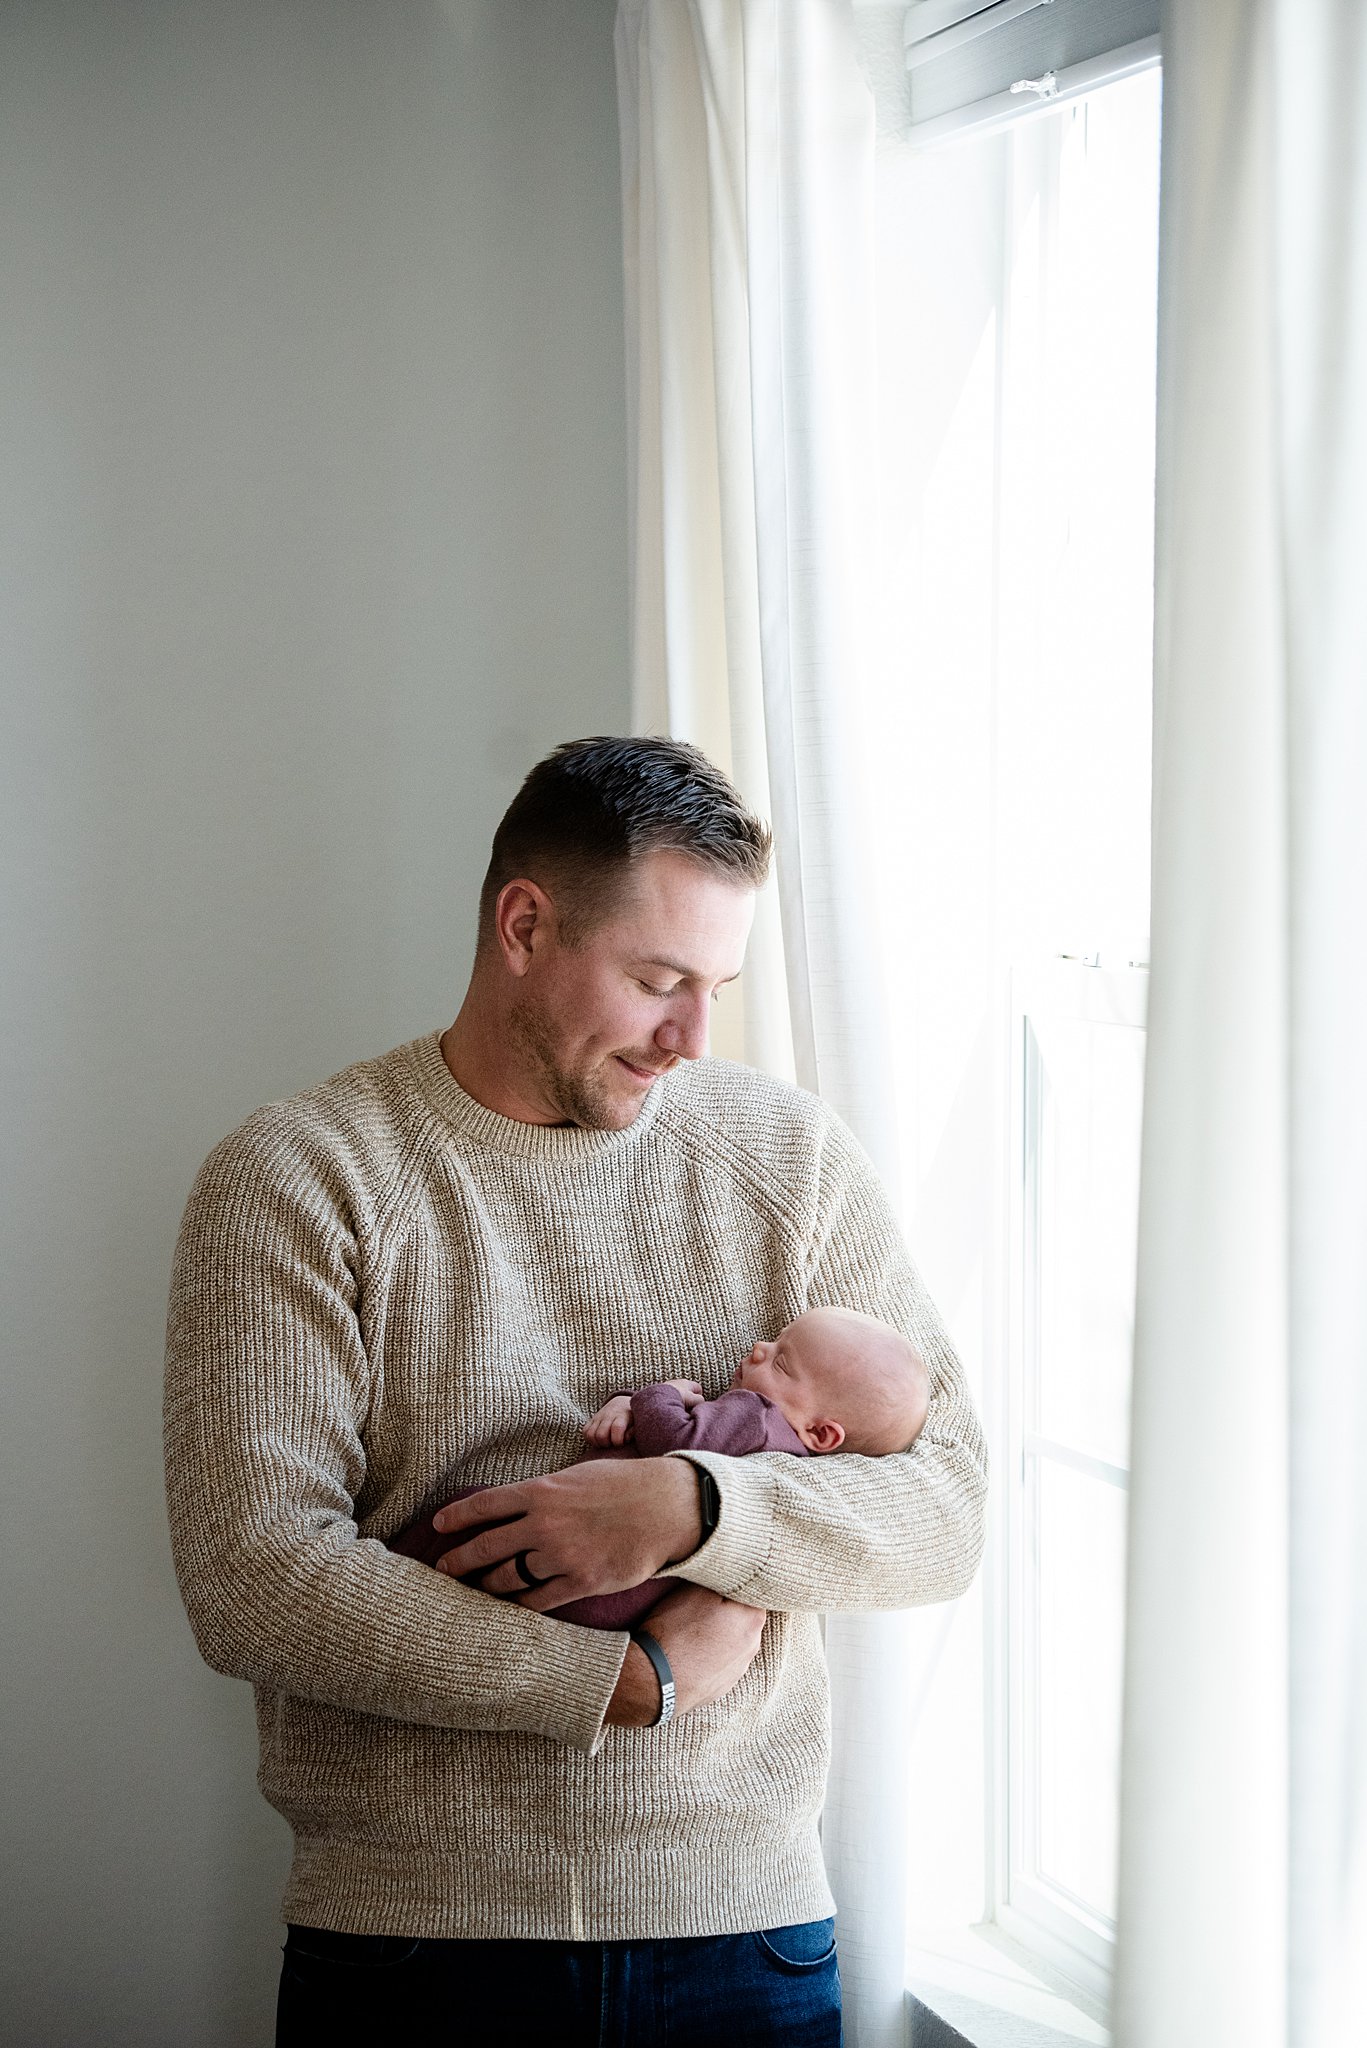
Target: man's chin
613	1103
621	1102
620	1117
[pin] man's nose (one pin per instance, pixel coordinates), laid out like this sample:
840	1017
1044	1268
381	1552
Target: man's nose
684	1031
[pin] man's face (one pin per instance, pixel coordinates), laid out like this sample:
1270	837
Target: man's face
595	1026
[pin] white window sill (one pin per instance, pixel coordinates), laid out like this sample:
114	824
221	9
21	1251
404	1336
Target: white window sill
971	1985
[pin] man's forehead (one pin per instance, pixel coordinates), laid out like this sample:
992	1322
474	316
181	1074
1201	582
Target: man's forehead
677	914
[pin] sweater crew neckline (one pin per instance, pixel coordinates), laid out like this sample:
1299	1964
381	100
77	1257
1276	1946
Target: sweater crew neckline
558	1142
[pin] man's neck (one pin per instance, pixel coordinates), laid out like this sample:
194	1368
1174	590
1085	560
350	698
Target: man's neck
476	1052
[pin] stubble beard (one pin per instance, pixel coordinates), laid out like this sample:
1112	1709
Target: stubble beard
578	1098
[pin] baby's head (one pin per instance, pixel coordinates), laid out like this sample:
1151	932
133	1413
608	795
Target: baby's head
843	1380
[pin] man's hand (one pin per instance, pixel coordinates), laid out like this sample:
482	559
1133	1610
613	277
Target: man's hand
710	1643
593	1528
612	1423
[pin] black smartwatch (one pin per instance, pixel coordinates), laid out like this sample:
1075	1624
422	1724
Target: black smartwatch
709	1502
709	1509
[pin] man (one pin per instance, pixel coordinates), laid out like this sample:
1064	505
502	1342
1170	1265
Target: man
425	1275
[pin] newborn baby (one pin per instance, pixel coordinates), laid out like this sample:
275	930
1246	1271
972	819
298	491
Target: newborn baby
834	1379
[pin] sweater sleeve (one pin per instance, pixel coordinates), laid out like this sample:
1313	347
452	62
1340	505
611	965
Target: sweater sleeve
267	1390
844	1532
736	1424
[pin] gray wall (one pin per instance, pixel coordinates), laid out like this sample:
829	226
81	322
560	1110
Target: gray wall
312	537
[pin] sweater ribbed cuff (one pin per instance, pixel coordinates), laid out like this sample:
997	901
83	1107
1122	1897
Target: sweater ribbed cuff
736	1553
574	1689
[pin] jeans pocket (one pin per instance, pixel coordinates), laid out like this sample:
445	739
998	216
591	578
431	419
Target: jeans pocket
348	1951
800	1950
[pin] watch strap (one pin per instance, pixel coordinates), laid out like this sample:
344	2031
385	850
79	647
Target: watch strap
647	1642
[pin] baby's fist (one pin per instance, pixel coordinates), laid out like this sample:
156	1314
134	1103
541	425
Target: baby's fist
612	1424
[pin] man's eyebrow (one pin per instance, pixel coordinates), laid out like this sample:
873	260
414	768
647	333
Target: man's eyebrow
677	967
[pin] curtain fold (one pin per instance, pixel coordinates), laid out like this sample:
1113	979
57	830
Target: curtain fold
1243	1895
1320	64
748	204
695	618
748	142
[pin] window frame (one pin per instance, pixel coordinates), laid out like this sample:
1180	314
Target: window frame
1040	1917
1058	1938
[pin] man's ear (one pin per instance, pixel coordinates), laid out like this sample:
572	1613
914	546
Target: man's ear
523	916
823	1436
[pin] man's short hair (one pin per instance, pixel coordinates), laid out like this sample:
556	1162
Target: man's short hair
591	809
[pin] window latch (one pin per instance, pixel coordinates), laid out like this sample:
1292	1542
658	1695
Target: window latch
1045	88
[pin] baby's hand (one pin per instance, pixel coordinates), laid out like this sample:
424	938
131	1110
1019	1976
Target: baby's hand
690	1390
612	1424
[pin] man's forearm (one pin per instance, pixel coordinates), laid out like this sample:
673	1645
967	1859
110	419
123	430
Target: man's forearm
340	1620
710	1643
842	1532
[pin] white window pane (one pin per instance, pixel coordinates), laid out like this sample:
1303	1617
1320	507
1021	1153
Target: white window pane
1086	1229
1081	1640
1076	534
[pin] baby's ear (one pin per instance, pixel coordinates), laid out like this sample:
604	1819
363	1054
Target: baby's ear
823	1436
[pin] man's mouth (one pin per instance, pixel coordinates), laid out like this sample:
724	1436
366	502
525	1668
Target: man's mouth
646	1074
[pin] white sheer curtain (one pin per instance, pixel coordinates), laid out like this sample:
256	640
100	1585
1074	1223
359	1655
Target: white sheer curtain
1244	1842
747	143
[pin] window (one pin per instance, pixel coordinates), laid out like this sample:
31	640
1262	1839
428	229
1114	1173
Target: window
1017	343
1078	1037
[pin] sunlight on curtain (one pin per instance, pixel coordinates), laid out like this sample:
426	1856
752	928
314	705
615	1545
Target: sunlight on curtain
748	205
1243	1898
696	663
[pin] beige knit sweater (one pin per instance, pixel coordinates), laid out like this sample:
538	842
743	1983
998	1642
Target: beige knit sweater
383	1291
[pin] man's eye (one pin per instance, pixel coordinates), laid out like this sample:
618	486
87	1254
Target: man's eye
651	991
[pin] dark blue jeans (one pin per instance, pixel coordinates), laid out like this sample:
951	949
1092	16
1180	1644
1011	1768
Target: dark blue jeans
717	1991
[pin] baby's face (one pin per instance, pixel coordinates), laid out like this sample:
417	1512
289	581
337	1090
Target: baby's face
841	1378
792	1371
